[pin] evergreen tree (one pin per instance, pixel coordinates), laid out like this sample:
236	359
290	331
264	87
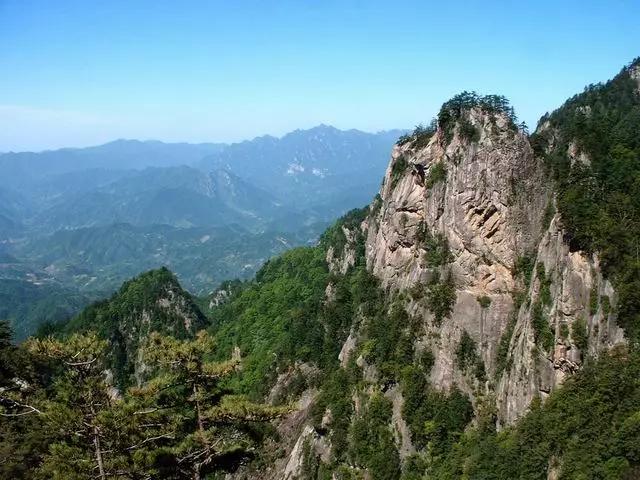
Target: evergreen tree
78	395
211	430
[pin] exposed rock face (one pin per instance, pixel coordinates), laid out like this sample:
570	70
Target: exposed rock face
489	206
575	280
634	72
309	443
339	262
400	429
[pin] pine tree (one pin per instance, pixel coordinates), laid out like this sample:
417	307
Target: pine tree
79	394
187	388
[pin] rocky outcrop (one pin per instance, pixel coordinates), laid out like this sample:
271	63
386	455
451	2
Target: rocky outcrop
634	73
310	448
578	294
468	206
487	207
489	204
340	261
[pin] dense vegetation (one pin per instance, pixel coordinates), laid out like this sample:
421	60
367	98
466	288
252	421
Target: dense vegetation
599	198
371	441
435	419
280	318
589	429
451	113
274	319
151	302
60	420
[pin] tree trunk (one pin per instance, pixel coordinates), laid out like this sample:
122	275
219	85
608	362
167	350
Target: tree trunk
198	412
198	466
96	444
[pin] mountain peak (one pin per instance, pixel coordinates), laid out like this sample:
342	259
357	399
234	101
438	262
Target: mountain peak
152	301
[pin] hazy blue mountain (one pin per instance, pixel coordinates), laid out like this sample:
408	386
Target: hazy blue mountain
312	168
13	209
177	196
27	168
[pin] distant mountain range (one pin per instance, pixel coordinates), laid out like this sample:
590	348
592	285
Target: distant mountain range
309	168
29	168
85	219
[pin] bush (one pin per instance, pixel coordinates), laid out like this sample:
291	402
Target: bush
593	300
371	443
580	334
441	297
398	169
545	284
468	358
336	396
543	336
484	301
437	173
391	341
467	131
420	136
436	246
433	417
564	331
524	268
503	346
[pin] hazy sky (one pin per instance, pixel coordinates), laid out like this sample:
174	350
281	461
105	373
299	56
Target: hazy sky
76	73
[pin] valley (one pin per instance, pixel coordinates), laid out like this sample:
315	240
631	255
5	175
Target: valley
81	221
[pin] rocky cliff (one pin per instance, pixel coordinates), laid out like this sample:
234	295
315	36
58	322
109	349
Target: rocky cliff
523	297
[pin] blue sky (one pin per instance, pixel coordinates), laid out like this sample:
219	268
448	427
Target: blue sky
76	73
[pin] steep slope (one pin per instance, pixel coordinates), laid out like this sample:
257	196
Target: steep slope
592	147
459	211
153	301
469	205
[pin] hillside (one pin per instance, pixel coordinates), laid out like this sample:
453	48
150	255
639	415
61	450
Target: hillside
28	305
151	302
176	196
